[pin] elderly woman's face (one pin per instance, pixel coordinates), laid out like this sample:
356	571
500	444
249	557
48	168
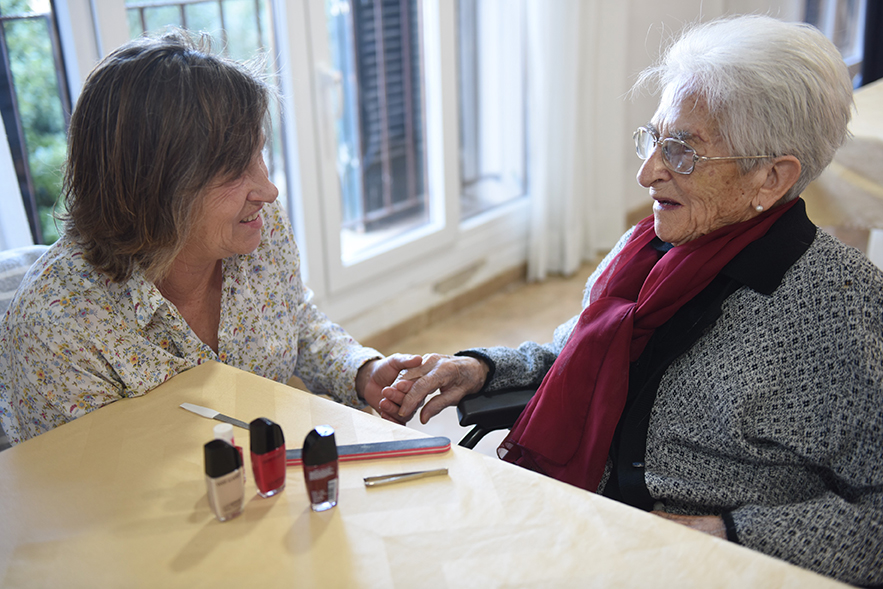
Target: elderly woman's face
231	221
715	194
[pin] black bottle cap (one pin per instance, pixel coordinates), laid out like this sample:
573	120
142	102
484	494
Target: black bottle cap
265	435
319	446
221	458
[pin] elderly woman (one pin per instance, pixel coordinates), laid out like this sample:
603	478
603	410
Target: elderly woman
175	252
727	369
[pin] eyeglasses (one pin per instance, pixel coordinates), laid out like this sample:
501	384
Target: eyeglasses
677	155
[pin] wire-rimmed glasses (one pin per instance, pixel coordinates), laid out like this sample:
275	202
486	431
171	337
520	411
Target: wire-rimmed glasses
677	155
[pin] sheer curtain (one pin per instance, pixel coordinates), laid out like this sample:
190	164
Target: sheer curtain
577	84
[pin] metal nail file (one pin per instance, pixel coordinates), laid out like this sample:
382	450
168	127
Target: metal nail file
386	479
212	414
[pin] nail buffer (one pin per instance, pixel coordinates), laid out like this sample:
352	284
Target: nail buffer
212	414
376	450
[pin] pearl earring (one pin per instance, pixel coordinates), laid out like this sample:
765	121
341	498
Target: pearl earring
759	208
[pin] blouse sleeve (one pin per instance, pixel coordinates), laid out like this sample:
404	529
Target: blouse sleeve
51	375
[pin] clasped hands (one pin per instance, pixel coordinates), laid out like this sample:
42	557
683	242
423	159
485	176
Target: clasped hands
453	377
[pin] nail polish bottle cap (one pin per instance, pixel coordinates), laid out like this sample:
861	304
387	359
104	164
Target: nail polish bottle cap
224	431
221	458
319	446
265	435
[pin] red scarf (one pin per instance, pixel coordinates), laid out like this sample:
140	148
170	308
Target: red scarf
566	430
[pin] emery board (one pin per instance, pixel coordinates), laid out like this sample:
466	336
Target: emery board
375	450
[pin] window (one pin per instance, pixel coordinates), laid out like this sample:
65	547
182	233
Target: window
36	108
493	104
409	147
842	21
374	91
377	77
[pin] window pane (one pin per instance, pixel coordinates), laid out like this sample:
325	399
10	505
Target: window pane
205	16
156	19
375	94
842	21
38	106
493	154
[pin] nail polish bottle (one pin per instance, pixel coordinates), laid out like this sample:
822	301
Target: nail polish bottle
267	456
224	431
320	468
223	479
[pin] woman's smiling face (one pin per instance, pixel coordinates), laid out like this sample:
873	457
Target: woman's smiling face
714	195
230	222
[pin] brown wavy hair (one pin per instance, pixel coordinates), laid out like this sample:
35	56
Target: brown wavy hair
158	121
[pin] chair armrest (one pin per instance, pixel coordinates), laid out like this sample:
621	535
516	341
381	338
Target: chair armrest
493	411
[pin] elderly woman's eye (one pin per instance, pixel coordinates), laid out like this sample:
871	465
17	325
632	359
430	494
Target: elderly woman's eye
677	150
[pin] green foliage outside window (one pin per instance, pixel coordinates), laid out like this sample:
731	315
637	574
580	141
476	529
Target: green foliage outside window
39	103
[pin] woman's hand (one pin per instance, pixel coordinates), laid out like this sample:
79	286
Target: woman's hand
374	375
454	376
710	524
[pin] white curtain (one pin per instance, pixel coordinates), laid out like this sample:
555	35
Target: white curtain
577	82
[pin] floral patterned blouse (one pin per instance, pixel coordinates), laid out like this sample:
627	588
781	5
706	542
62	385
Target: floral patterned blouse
73	341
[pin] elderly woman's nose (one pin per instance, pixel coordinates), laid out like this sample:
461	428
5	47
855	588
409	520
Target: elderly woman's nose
652	169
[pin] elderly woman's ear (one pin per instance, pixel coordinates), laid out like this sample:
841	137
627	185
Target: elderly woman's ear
780	177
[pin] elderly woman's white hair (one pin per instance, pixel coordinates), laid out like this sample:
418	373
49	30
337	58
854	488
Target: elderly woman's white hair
773	87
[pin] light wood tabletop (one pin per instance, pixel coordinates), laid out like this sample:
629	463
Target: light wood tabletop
118	499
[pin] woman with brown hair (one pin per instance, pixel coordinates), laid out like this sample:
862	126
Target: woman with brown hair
175	252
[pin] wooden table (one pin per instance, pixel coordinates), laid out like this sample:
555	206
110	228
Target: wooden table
117	499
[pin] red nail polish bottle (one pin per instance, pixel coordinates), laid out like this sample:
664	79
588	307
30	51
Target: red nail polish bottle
267	456
320	468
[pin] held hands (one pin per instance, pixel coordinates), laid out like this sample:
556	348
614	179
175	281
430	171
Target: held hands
453	376
374	375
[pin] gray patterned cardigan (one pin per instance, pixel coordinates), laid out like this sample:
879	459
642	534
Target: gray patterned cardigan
773	418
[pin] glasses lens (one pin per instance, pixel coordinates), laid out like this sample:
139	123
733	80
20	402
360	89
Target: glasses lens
678	155
644	143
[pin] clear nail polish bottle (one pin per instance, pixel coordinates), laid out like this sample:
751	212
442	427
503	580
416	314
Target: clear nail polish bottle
223	479
267	456
320	468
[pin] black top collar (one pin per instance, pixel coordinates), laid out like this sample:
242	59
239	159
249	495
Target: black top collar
761	266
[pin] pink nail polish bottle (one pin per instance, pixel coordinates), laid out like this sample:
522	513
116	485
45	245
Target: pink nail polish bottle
223	480
320	468
267	456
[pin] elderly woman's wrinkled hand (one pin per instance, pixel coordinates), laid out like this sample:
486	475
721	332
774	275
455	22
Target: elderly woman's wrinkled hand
453	376
375	375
